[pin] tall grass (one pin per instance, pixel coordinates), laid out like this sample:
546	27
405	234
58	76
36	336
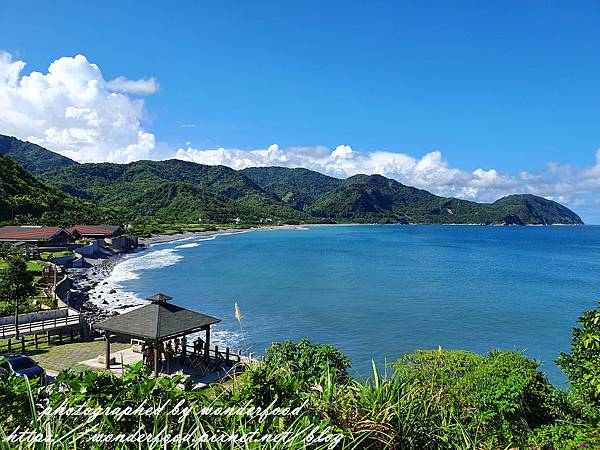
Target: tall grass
422	404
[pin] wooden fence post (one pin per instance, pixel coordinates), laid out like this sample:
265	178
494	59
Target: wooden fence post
226	354
35	337
22	344
9	345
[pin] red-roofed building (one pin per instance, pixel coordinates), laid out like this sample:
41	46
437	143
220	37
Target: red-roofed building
96	231
37	235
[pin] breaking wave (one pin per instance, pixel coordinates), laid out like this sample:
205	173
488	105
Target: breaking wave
190	245
109	294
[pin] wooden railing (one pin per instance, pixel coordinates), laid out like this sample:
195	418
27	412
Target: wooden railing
226	354
9	330
33	341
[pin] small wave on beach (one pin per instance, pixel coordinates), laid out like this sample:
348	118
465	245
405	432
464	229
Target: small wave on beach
190	245
110	295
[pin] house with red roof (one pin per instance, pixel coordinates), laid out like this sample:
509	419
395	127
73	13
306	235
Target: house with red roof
96	231
37	235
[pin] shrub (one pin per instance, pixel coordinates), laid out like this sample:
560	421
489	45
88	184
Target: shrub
582	366
264	383
501	395
309	361
564	436
510	393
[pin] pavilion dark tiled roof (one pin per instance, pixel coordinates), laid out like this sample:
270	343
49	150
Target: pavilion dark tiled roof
25	233
159	298
157	320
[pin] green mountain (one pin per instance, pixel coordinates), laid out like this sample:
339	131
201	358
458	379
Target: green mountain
181	202
298	188
374	198
185	191
32	157
529	209
181	191
25	199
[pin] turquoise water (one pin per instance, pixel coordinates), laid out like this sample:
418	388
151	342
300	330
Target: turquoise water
382	291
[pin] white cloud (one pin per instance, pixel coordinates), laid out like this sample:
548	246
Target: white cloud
430	171
72	110
563	183
136	87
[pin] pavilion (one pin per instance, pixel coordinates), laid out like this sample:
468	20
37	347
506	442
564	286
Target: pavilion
155	323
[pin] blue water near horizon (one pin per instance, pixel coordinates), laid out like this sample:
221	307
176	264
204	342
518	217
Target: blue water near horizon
378	292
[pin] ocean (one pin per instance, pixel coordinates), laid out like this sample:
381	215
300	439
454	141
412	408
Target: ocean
378	292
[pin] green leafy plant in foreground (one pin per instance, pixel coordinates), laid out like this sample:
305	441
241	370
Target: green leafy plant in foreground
437	399
582	366
309	361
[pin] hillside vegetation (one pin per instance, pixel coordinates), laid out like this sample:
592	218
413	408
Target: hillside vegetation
375	198
23	198
180	191
299	188
32	157
215	193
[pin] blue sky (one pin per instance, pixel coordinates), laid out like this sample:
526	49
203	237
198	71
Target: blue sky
508	86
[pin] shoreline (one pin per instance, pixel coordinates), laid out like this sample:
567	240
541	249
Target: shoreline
95	299
92	296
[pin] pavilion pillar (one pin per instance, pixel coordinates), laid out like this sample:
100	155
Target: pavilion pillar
207	344
156	357
107	352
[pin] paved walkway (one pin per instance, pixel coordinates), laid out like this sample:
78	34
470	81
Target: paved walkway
69	354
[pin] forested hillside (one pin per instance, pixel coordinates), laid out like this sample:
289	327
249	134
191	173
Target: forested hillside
181	191
24	199
32	157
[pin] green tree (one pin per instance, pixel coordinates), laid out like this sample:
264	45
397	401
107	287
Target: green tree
16	285
582	366
5	250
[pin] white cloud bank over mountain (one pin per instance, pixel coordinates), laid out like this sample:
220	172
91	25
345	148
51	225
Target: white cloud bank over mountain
72	110
562	183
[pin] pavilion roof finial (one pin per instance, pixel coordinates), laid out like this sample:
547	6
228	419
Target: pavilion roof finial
157	298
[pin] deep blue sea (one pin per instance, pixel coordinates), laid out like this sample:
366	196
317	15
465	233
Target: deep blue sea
383	291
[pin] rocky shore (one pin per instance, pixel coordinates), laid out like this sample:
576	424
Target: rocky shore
85	280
